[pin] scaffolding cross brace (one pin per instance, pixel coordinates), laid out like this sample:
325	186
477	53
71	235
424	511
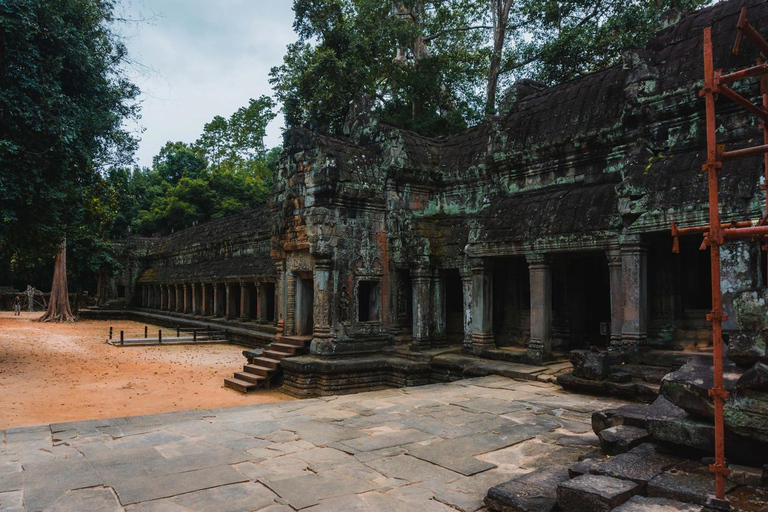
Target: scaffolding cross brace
716	233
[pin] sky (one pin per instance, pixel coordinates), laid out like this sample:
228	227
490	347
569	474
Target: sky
195	59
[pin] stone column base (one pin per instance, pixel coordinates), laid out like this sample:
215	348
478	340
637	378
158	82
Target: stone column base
537	351
482	342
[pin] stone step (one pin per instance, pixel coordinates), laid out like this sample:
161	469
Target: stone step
267	362
255	369
250	377
239	385
274	354
296	341
285	348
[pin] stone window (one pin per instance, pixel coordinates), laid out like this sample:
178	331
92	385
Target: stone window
368	301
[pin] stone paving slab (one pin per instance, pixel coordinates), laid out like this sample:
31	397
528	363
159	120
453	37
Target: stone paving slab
431	448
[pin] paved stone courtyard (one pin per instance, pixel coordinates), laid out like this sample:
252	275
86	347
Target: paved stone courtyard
430	448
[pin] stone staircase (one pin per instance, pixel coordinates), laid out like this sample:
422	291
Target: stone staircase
261	368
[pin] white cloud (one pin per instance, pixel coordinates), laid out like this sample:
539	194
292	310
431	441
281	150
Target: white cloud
197	59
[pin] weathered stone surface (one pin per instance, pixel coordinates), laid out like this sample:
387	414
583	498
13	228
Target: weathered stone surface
746	414
689	386
689	482
590	365
515	496
639	465
594	493
745	475
621	439
756	378
643	504
631	414
746	348
669	423
749	499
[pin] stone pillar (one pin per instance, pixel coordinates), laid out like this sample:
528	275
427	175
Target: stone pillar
634	266
290	303
739	262
280	296
245	302
143	296
163	290
482	307
540	344
204	295
176	299
617	296
171	298
438	310
260	302
218	300
193	293
185	308
466	286
420	279
229	307
321	307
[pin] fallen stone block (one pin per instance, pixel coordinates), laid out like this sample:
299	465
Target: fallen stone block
639	465
621	439
688	387
632	414
746	414
594	493
756	378
690	482
644	504
747	348
533	492
590	365
670	424
745	475
584	467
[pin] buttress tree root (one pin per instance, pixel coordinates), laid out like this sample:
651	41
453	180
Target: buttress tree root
58	307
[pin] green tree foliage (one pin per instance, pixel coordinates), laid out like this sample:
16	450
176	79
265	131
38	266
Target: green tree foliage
434	65
227	170
63	98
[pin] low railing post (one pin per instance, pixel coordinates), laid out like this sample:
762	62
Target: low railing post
159	335
122	338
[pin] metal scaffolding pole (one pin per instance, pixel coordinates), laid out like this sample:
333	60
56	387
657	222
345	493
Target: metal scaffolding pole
716	232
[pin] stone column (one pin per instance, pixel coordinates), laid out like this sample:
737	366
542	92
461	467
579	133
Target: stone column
617	296
229	307
204	295
290	303
260	302
420	279
540	344
482	307
438	309
163	296
466	286
245	302
739	263
218	300
185	309
193	293
321	308
171	297
634	266
280	296
143	296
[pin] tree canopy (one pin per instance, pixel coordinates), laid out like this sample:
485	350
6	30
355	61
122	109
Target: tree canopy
227	170
436	66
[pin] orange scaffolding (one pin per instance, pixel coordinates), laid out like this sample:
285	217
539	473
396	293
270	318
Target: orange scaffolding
716	232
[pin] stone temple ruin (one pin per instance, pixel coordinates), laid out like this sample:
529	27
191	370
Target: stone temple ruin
542	231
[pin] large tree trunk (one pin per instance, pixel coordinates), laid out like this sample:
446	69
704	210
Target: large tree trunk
500	12
58	307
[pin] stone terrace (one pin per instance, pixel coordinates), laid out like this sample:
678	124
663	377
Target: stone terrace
436	447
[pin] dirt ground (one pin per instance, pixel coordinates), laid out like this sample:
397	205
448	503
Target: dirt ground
52	373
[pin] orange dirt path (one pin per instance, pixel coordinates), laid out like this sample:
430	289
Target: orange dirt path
52	373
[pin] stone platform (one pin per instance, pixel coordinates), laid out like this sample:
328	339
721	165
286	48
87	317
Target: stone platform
430	448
